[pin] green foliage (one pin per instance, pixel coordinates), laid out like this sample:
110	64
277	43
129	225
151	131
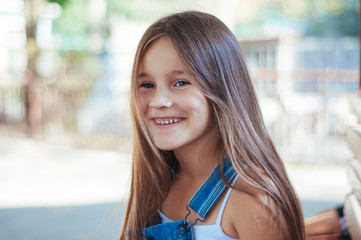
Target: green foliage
73	24
74	20
62	3
311	17
270	10
139	9
341	19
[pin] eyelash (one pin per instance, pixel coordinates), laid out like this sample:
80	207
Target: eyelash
147	85
184	82
179	83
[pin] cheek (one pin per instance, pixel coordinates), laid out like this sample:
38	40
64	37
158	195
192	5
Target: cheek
198	105
143	101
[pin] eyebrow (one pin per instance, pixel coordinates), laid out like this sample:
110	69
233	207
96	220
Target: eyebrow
174	72
142	75
178	72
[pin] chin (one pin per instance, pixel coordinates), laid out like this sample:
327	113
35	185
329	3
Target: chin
166	146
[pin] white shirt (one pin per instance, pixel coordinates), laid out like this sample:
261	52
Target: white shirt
209	232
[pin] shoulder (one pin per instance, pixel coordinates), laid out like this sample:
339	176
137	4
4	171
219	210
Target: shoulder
252	214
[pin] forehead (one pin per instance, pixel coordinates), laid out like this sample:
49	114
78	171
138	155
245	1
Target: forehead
160	55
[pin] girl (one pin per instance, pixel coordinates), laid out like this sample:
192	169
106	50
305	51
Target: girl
203	165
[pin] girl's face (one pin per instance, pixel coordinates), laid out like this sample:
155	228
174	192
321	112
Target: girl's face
175	112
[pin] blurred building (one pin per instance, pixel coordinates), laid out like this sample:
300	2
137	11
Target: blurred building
303	85
302	82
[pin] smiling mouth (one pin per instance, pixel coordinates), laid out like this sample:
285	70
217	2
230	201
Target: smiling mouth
166	121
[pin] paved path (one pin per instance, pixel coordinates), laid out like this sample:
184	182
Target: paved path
54	192
36	174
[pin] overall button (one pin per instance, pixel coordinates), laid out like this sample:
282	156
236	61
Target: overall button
182	229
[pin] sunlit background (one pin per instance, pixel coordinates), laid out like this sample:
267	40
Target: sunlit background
65	132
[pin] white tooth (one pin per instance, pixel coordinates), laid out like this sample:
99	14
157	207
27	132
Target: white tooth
170	121
166	122
175	120
158	122
161	122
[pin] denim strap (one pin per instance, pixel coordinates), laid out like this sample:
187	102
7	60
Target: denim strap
202	202
211	190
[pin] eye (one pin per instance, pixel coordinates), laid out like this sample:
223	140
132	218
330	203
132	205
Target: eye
181	83
147	85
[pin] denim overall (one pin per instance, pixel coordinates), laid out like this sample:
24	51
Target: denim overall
202	203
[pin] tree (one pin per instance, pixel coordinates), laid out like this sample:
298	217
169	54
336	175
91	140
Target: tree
33	84
331	18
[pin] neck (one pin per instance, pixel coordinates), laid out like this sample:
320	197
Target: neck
198	160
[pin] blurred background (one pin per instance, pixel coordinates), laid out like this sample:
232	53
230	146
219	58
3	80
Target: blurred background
65	132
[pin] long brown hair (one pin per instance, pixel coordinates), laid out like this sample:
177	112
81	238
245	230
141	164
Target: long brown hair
211	54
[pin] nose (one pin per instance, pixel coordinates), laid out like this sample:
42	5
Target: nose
161	99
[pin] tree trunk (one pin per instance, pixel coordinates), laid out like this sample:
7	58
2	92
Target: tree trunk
33	84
